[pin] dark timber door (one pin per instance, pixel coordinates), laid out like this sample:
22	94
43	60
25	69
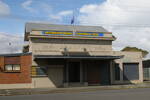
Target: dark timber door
74	71
93	73
98	72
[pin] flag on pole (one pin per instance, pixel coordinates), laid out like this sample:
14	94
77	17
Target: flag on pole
73	26
72	20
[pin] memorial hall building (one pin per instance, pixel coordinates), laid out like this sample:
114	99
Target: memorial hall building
72	55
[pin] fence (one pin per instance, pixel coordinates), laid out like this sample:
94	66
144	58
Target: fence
146	73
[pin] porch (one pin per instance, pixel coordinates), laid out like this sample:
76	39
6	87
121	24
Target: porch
77	71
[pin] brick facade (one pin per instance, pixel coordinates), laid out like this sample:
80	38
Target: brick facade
22	76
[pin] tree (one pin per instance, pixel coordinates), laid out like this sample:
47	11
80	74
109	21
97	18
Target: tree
135	49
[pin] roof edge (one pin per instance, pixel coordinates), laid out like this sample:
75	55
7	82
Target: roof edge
76	57
15	54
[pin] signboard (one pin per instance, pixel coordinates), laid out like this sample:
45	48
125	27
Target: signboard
93	34
57	33
88	34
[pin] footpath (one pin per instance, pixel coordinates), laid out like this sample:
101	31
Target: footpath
31	91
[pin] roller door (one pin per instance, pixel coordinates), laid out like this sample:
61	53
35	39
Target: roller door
131	71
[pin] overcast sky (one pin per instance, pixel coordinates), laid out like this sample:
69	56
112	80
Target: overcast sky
129	20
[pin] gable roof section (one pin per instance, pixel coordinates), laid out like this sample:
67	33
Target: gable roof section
33	26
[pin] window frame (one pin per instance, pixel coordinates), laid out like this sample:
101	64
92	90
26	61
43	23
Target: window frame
37	74
12	68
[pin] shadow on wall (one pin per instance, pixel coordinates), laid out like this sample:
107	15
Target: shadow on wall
52	70
55	75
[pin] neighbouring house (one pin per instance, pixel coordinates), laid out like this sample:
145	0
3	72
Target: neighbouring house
15	70
73	55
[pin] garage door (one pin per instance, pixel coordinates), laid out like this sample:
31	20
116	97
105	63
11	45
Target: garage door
131	71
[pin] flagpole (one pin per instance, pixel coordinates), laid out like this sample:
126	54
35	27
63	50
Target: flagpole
73	24
74	30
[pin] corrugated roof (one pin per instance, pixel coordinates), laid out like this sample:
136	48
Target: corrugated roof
45	26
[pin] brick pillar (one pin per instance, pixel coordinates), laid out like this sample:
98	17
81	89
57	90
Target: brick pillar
111	72
2	64
121	71
81	72
66	80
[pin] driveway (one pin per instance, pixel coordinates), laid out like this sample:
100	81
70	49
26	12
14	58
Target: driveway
126	94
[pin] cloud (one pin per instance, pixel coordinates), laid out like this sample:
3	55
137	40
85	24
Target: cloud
45	7
11	43
65	13
36	6
59	16
4	9
27	5
127	19
55	17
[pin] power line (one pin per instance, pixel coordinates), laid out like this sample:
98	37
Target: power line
10	35
120	24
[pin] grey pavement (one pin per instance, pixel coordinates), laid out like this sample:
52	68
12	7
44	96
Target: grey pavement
125	94
32	91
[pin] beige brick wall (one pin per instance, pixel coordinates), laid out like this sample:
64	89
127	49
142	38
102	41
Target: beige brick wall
56	46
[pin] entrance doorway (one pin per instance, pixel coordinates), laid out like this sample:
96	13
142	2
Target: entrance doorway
74	71
98	72
93	73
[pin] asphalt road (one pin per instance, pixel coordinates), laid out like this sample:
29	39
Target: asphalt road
128	94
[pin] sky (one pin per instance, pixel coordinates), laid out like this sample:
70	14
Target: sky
128	20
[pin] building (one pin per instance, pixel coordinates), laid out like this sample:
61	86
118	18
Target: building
15	70
66	55
146	70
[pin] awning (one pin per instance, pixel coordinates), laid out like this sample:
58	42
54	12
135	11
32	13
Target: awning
75	57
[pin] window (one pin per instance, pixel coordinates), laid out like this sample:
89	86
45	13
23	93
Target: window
39	71
13	67
8	67
16	67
